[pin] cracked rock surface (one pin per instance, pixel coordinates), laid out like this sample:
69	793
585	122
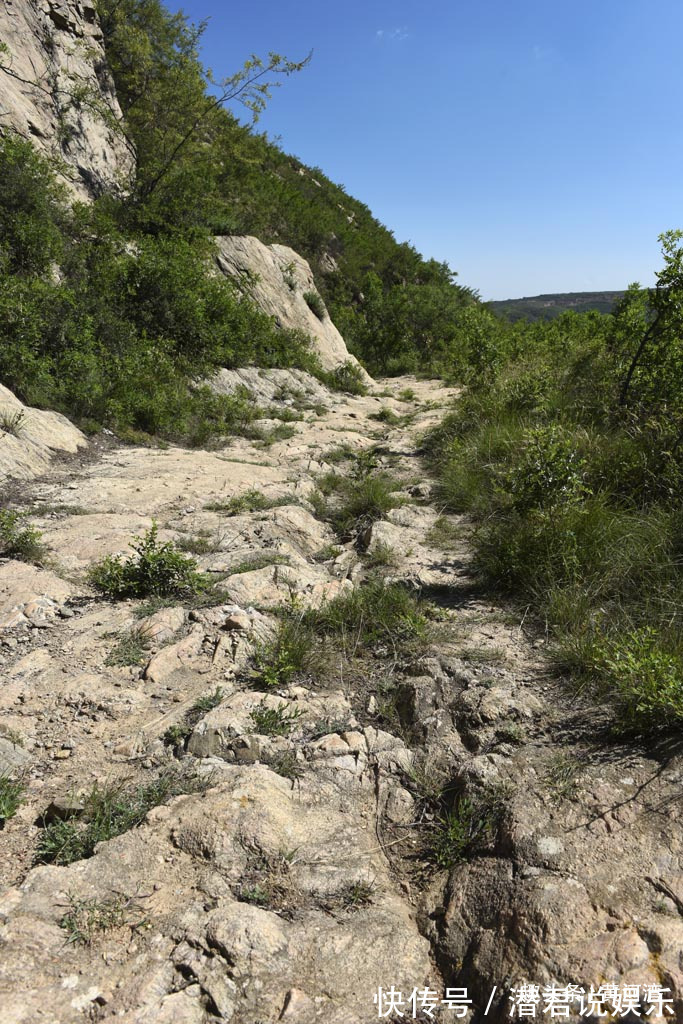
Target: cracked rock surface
297	873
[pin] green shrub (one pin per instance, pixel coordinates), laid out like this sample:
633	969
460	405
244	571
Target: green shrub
348	378
157	569
274	721
642	679
31	209
315	304
548	470
574	489
18	540
278	661
11	793
108	811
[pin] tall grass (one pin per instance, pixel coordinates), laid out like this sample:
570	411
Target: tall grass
577	510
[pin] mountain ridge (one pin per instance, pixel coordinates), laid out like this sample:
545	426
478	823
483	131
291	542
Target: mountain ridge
548	305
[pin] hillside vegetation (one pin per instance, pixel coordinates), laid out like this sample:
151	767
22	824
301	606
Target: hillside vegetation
567	448
569	456
546	307
107	310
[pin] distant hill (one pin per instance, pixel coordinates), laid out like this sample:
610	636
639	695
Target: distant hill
545	307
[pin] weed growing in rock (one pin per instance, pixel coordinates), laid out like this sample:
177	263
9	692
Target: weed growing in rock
348	378
286	765
85	919
249	501
351	897
562	776
340	453
328	553
208	702
267	881
12	422
407	395
18	540
157	569
201	543
274	721
457	832
386	415
131	649
510	732
260	560
377	613
382	556
444	534
288	654
315	304
360	501
109	810
177	734
281	432
11	793
468	827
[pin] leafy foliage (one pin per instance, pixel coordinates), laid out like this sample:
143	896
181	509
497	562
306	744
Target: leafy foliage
156	569
569	455
19	540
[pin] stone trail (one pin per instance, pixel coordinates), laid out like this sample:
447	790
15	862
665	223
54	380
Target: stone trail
271	896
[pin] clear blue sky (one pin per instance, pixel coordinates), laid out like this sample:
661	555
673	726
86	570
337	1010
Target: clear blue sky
535	145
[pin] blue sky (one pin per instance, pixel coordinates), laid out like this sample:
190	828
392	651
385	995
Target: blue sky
535	145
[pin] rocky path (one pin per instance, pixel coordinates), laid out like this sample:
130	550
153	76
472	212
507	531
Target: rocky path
415	816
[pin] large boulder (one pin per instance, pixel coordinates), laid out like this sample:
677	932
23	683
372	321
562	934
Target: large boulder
276	278
30	437
54	59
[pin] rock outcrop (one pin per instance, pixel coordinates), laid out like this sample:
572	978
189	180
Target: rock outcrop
278	280
30	437
56	90
311	859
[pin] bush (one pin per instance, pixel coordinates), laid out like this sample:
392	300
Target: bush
315	304
289	654
18	540
157	569
548	470
642	678
348	378
576	497
31	209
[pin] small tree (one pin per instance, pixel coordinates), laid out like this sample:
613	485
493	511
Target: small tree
656	366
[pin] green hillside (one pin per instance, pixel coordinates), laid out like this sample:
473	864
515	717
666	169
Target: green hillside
545	307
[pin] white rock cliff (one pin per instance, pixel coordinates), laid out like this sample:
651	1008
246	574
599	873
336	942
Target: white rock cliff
56	90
